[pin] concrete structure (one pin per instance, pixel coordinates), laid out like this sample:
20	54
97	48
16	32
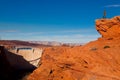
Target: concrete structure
29	54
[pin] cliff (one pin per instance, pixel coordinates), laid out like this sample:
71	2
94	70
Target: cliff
97	60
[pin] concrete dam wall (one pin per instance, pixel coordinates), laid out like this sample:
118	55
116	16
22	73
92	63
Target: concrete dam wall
28	57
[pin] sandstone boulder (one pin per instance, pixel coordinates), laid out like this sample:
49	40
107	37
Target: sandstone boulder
109	28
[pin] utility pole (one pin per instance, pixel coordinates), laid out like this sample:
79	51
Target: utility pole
104	14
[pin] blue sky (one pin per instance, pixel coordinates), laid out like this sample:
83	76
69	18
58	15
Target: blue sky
54	20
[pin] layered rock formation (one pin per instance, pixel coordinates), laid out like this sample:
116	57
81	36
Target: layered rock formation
97	60
109	28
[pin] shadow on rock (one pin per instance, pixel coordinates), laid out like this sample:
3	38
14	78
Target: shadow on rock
13	66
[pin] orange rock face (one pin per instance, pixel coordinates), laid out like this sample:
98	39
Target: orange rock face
97	60
109	27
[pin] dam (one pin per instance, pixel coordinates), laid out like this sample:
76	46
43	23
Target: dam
30	54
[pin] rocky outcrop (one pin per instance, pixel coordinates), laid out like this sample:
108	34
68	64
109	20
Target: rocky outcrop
109	28
97	60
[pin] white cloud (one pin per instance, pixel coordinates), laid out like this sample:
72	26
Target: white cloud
29	33
8	31
78	31
69	31
115	5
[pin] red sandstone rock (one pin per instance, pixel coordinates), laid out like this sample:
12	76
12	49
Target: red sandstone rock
97	60
109	27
